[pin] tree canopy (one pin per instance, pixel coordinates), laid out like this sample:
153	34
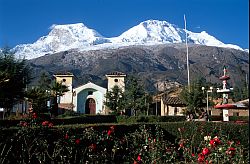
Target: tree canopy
134	96
133	99
115	100
194	97
47	90
15	75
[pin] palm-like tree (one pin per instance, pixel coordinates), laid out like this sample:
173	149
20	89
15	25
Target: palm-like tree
57	90
38	98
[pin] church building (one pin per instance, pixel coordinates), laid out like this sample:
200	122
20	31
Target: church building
88	98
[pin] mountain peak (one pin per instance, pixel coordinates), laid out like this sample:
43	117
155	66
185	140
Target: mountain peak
78	30
153	31
79	36
75	25
152	22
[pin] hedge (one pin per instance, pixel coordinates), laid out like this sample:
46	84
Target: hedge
93	119
83	119
236	131
149	119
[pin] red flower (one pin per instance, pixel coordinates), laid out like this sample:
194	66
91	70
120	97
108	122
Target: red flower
201	157
92	146
23	123
34	115
109	132
50	125
231	151
214	142
45	123
217	141
139	158
181	145
205	151
193	154
112	127
77	141
66	136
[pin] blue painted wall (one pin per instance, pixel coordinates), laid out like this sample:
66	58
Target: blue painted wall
82	97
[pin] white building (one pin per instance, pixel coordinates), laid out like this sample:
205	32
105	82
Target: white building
88	98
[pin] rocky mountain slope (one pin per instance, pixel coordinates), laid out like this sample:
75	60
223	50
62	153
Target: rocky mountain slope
153	64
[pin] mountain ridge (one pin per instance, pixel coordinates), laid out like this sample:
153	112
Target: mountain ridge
154	65
78	36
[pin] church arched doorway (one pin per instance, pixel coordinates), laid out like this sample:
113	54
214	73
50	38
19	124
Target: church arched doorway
90	106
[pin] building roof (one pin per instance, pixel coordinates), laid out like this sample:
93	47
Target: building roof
63	75
90	85
116	73
172	101
243	104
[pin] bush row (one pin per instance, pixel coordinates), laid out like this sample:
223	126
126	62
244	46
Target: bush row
237	131
93	119
231	118
149	119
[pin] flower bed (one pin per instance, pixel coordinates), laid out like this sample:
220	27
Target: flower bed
182	142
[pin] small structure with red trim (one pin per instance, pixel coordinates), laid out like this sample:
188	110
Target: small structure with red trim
224	104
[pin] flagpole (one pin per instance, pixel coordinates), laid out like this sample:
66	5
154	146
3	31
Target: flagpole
187	54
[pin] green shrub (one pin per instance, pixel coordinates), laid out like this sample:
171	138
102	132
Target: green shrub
239	118
68	114
149	119
231	118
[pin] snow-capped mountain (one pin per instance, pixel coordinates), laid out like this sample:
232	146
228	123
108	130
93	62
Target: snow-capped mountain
154	31
61	38
78	36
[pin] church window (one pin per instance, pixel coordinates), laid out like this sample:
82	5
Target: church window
90	92
116	80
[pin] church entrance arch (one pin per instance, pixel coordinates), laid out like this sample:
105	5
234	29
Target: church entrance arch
90	106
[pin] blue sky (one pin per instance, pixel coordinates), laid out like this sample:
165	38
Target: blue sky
24	21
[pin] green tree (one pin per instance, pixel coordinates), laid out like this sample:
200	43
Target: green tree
15	75
240	93
193	97
115	100
44	82
46	90
38	98
57	89
40	94
135	96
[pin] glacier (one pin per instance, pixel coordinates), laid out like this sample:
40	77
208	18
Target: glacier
78	36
